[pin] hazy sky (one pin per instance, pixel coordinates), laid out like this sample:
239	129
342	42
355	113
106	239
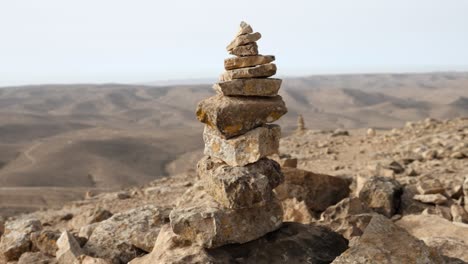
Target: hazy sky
61	41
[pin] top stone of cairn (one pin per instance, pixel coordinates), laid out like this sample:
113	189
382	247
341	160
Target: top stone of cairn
244	29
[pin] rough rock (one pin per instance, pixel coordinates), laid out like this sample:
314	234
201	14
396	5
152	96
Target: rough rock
198	217
431	198
249	87
244	28
318	191
16	239
126	235
385	242
36	258
265	70
94	215
239	187
450	238
442	211
247	61
382	195
292	243
244	149
91	260
296	211
246	50
430	186
349	217
69	251
458	213
243	39
234	116
45	241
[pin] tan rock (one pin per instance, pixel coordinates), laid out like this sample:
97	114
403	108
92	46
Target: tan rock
318	191
246	50
431	198
45	241
234	116
243	40
385	242
244	149
91	260
382	194
247	61
36	258
199	218
430	186
296	211
265	70
450	238
458	213
249	87
240	187
244	28
69	251
17	238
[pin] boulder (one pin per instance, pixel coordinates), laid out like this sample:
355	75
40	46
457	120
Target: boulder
382	194
245	50
126	235
385	242
45	241
239	187
318	191
36	258
17	238
264	70
198	217
292	243
234	116
249	87
450	238
243	39
247	61
69	251
244	149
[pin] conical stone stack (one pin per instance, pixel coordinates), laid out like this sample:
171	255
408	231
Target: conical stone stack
234	200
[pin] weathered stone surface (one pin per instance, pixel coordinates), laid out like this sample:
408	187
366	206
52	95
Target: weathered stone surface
234	116
244	149
265	70
349	217
292	243
430	186
45	241
246	50
243	39
126	235
16	239
244	28
69	251
247	61
319	191
239	187
431	198
458	213
36	258
385	242
91	260
91	216
198	217
296	211
450	238
382	194
249	87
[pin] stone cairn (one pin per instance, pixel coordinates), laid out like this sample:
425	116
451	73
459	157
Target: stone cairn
234	200
300	125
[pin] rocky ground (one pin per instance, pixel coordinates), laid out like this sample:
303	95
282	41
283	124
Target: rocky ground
371	196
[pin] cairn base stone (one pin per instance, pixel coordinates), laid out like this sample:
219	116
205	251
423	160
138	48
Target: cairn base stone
199	218
234	116
247	61
249	87
240	187
264	70
244	149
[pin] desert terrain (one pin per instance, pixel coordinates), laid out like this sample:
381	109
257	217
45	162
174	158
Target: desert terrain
58	142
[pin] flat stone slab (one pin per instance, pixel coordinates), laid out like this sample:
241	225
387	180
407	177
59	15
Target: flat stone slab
240	187
234	116
244	149
249	87
259	71
243	40
200	219
247	61
245	50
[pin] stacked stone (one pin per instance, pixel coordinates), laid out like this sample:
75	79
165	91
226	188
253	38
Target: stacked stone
234	202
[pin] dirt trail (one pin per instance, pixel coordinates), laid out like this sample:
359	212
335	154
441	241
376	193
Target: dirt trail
28	155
